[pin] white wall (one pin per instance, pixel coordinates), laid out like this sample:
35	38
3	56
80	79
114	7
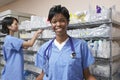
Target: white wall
41	7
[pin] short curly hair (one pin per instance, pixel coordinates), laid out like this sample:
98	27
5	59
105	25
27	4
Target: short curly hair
58	9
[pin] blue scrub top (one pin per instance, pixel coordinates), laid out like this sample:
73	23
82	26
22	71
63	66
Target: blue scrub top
13	56
61	65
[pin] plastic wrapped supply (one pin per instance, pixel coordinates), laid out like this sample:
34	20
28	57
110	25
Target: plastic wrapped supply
25	25
46	32
34	23
101	48
73	19
81	16
36	45
101	31
101	13
2	61
104	69
31	67
39	22
29	58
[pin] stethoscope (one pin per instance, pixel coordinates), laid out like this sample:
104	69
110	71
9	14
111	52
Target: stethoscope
47	54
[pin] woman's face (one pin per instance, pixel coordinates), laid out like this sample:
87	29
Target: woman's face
59	24
14	26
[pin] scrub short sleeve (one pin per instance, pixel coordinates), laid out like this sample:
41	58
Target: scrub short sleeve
39	62
17	43
87	57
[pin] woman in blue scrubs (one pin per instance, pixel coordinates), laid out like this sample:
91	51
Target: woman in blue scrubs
13	50
64	57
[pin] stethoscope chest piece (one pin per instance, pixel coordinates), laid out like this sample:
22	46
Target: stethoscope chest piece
73	55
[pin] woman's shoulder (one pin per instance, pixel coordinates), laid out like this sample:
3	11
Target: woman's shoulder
46	44
9	37
78	40
43	47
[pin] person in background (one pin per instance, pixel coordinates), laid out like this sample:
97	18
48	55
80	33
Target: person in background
13	50
63	57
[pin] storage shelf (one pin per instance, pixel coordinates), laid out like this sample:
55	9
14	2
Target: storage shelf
44	39
35	29
2	35
85	38
30	73
115	76
32	68
29	51
2	62
94	38
114	58
99	37
81	25
101	77
29	58
1	54
89	24
77	25
1	42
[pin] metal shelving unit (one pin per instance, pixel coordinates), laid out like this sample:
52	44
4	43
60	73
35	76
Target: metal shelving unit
109	61
88	24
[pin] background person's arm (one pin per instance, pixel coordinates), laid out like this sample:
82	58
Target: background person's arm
30	43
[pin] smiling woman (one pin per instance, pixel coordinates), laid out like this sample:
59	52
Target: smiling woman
64	57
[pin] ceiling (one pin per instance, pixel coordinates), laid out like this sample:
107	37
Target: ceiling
4	2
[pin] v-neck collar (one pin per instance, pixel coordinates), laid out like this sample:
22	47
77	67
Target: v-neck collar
60	46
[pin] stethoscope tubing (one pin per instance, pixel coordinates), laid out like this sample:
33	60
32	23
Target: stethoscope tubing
47	55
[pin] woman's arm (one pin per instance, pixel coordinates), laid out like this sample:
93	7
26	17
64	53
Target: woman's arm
87	75
30	43
40	77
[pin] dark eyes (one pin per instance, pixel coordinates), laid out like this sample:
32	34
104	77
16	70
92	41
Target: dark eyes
61	21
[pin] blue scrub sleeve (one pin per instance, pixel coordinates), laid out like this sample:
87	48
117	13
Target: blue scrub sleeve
40	61
87	56
17	43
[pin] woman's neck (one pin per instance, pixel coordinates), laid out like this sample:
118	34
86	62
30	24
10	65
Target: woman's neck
11	33
61	39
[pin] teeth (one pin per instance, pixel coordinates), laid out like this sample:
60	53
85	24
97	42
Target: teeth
58	29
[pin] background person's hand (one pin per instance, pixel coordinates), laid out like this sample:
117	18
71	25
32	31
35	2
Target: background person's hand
38	32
